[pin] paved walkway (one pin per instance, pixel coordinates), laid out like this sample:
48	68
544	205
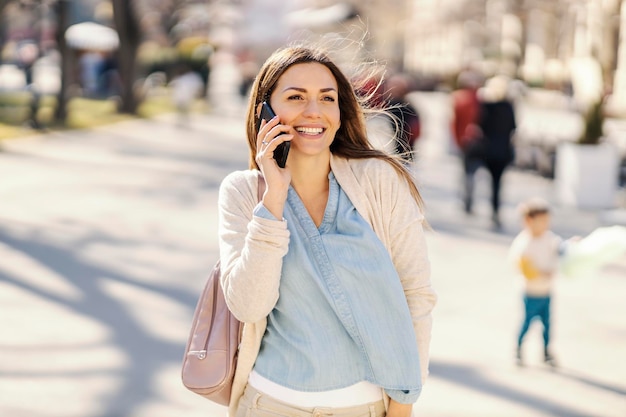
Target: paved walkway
106	236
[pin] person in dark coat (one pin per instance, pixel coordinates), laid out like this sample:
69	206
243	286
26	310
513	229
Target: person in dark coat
497	122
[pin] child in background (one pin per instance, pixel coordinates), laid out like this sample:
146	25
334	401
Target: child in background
535	253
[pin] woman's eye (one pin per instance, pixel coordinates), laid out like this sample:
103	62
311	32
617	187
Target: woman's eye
295	97
330	99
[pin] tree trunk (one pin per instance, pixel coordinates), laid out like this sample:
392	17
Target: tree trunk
130	37
3	4
62	12
3	35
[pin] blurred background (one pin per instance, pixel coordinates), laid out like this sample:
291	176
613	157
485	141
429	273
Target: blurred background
119	119
62	62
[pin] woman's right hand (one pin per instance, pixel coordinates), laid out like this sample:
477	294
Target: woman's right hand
277	180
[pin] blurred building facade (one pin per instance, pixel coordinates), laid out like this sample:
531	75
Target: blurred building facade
553	43
575	45
378	25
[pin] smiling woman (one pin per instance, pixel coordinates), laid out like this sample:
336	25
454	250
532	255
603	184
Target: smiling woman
339	235
305	98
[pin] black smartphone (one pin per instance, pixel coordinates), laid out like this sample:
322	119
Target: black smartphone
282	151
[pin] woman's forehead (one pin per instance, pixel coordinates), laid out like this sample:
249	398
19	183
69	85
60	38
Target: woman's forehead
310	73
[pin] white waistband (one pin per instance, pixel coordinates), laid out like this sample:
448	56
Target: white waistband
360	393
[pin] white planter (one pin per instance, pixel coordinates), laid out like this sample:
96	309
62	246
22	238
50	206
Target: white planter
587	176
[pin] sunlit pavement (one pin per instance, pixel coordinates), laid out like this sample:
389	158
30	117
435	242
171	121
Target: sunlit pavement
106	237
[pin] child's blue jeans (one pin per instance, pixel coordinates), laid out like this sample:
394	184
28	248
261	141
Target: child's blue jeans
538	307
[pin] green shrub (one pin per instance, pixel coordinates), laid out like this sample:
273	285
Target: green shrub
594	120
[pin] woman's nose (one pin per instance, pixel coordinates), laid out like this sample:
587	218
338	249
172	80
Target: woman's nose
312	109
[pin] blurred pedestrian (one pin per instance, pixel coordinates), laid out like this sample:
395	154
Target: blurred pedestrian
28	54
405	121
248	68
535	253
497	124
91	64
187	86
109	80
466	131
329	271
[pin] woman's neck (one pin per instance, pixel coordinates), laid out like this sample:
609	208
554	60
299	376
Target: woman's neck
309	174
309	178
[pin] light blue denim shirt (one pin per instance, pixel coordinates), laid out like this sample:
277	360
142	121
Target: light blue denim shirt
341	316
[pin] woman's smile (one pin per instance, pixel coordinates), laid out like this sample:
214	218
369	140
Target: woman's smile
310	132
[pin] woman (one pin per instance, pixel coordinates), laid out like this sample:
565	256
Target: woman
329	272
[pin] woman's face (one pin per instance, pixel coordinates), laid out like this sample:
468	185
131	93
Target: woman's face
306	98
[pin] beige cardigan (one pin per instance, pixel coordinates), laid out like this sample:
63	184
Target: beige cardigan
252	248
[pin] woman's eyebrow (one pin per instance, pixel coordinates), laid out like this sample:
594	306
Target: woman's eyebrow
304	90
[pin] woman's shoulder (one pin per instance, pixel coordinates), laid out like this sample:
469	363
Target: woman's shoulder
238	181
377	178
247	176
372	168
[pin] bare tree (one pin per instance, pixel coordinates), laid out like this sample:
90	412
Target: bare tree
128	28
164	15
3	4
62	13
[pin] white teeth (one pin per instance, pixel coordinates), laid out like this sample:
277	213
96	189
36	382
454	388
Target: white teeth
310	130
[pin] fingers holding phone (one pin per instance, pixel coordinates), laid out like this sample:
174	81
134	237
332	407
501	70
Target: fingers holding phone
276	139
271	137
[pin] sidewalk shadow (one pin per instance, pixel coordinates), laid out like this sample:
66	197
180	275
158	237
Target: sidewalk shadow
470	377
577	376
147	353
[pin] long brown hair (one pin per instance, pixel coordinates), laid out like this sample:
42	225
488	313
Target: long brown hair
351	139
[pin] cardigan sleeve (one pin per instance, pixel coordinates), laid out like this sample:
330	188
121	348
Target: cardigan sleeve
251	249
410	256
